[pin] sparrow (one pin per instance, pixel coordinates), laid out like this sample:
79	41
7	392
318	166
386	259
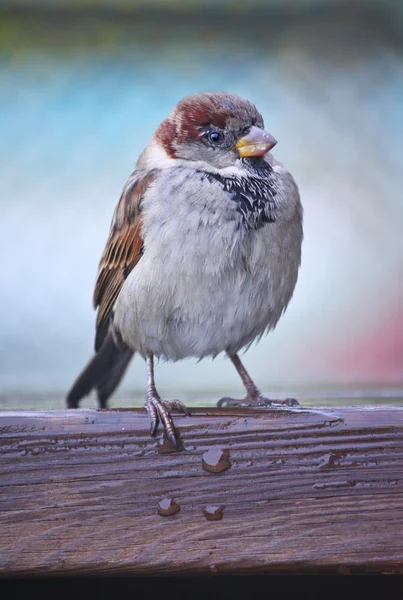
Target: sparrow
203	251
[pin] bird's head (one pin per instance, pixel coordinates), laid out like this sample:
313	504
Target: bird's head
215	128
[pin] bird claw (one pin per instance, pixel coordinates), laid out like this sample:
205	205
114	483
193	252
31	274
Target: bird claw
257	401
158	411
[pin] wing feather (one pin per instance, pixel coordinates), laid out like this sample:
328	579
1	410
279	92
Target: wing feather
122	252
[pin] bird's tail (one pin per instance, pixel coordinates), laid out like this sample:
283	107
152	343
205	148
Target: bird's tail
103	373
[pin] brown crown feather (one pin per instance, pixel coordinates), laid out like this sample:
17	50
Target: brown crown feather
196	111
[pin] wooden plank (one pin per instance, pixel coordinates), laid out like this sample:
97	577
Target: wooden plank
307	491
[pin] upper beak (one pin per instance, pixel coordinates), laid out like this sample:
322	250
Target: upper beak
255	143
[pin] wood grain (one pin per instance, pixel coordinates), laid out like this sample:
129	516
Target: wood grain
307	491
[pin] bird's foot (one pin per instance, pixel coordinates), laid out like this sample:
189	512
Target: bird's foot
257	401
158	411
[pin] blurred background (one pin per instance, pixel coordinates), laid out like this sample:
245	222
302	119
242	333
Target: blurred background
83	86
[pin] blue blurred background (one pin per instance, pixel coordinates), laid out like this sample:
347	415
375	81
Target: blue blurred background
83	86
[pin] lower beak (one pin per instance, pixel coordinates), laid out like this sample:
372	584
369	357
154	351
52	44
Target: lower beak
255	143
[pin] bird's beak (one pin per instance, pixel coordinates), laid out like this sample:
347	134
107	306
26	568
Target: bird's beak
255	143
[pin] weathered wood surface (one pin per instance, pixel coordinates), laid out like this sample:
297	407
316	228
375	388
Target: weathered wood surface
307	491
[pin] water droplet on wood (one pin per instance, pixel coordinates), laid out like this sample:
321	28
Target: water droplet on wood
168	507
213	513
216	460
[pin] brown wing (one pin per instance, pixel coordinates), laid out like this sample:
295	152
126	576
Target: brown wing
122	252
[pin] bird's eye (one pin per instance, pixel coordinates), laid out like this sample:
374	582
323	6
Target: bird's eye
214	137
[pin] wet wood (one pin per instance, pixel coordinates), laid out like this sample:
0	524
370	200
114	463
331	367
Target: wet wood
306	491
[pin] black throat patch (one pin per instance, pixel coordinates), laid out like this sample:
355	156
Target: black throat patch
253	193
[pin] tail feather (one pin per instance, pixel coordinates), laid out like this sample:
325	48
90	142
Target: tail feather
103	373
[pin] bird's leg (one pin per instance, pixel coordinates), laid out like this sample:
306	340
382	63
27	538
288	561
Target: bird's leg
159	410
254	397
